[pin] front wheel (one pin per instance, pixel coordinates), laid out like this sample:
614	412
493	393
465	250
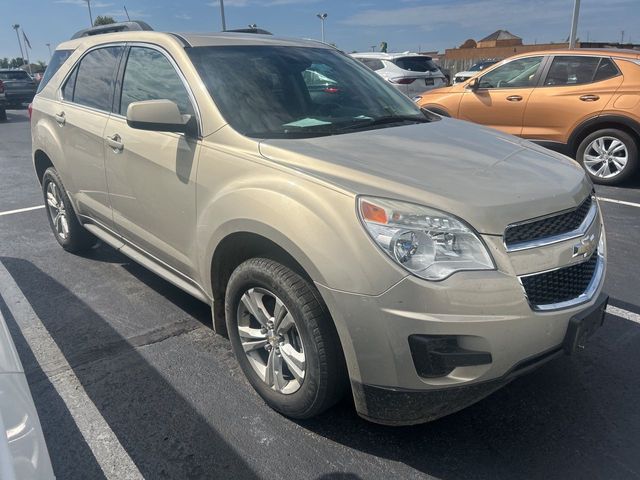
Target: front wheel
284	339
609	156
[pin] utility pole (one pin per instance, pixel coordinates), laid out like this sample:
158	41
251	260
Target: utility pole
49	47
16	27
622	37
322	17
26	52
574	24
224	22
90	16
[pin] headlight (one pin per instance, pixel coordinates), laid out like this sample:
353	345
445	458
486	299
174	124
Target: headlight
428	243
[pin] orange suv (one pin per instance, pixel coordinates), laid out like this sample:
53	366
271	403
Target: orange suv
585	103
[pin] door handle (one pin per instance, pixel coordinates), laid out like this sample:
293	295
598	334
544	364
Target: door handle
514	98
60	118
589	98
115	143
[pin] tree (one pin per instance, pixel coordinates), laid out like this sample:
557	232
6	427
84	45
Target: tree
103	20
4	62
16	62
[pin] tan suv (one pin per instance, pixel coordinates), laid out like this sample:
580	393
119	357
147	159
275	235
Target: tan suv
585	103
345	239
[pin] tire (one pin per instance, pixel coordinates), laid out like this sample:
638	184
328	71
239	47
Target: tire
3	115
68	231
324	380
602	155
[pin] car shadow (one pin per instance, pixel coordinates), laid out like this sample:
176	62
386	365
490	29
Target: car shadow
16	118
159	429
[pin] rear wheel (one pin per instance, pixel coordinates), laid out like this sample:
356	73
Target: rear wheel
609	156
69	233
284	339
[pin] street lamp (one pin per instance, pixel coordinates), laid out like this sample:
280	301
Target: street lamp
574	24
16	27
224	23
49	47
90	16
322	17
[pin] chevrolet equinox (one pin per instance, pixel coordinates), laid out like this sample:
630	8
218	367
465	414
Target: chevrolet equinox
346	240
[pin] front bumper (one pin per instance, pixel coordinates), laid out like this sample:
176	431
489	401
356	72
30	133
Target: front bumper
486	312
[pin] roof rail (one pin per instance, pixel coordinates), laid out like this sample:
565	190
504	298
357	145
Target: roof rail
259	31
134	25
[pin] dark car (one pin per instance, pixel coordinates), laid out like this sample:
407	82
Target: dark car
3	102
19	87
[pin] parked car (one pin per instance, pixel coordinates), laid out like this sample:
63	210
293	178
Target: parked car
584	103
23	451
411	73
3	102
363	243
19	86
475	68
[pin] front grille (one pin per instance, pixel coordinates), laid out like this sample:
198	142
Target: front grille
547	227
560	285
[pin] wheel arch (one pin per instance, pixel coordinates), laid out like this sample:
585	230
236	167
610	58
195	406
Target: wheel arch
41	162
601	122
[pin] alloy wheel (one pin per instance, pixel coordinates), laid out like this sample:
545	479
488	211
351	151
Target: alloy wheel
57	212
605	157
271	340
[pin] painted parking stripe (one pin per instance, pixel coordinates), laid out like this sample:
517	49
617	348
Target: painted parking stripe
113	459
619	202
619	312
20	210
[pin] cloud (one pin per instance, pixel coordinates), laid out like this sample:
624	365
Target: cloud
183	16
259	3
83	3
121	15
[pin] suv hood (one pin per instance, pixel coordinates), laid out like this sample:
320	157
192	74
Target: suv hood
483	176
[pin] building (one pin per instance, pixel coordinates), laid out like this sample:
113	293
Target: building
502	44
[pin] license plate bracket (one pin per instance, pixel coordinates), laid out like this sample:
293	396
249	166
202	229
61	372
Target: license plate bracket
584	324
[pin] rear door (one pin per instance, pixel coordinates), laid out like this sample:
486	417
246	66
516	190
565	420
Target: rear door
152	174
86	101
574	88
502	95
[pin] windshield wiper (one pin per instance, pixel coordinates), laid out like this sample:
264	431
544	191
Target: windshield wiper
387	119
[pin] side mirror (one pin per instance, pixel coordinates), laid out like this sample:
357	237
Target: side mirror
474	84
159	116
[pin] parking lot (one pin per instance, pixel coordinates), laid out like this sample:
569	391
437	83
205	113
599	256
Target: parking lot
129	380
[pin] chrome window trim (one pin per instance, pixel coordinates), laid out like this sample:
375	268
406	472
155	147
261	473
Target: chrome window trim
545	241
584	297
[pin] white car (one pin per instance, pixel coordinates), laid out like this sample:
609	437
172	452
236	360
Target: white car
467	74
411	73
23	453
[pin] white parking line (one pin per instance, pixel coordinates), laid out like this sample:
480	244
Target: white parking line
113	459
619	202
619	312
20	210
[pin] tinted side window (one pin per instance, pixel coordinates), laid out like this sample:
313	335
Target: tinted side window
58	58
572	70
515	74
95	78
67	89
150	76
416	64
606	69
373	63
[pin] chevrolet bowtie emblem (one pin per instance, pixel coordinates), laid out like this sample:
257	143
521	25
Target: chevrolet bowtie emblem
586	246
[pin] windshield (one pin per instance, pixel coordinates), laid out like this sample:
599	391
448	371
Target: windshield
480	66
15	75
416	64
292	92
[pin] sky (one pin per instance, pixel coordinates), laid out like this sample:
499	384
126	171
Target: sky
406	25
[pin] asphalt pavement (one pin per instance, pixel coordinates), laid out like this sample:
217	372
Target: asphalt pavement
129	380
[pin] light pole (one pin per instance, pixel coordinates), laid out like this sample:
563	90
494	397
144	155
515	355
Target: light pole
574	24
49	47
224	22
322	17
90	16
16	27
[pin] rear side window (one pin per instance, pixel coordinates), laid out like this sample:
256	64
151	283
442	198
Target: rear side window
576	70
95	78
373	63
150	76
14	75
69	85
416	64
56	61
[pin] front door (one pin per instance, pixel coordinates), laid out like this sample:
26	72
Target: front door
501	95
151	175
